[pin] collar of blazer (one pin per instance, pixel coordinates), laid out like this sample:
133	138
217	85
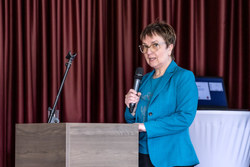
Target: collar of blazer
164	80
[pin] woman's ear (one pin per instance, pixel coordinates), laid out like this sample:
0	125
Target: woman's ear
171	46
170	49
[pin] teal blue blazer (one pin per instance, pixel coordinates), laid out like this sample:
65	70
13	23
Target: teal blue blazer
171	111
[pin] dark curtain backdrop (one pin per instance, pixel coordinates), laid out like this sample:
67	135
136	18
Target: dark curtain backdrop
36	35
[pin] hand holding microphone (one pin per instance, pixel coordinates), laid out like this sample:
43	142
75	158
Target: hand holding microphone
132	97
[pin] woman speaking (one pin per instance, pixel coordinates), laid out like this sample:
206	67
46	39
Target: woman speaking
166	103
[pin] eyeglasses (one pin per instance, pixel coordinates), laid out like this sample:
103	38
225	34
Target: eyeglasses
153	47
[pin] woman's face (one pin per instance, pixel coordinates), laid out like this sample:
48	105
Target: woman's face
160	58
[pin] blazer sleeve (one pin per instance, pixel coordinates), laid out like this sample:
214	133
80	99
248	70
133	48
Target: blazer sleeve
186	107
128	117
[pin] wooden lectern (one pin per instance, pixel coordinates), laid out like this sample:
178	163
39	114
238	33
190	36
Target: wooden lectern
76	145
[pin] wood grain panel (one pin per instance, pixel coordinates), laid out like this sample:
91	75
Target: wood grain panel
40	145
76	145
106	145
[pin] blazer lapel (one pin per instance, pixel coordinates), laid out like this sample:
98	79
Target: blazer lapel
165	80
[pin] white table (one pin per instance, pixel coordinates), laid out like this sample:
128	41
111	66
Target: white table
221	138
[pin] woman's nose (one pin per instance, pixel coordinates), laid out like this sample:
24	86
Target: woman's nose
149	51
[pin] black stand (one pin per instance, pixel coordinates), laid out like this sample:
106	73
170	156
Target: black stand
68	64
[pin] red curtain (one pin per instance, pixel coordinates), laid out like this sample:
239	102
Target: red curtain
35	37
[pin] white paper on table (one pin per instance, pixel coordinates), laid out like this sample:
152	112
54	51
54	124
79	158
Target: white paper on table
215	86
203	91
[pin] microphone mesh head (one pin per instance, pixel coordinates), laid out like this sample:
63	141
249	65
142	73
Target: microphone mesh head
139	73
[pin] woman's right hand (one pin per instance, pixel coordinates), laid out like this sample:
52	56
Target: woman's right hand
132	97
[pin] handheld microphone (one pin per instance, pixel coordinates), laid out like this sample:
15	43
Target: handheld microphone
137	78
